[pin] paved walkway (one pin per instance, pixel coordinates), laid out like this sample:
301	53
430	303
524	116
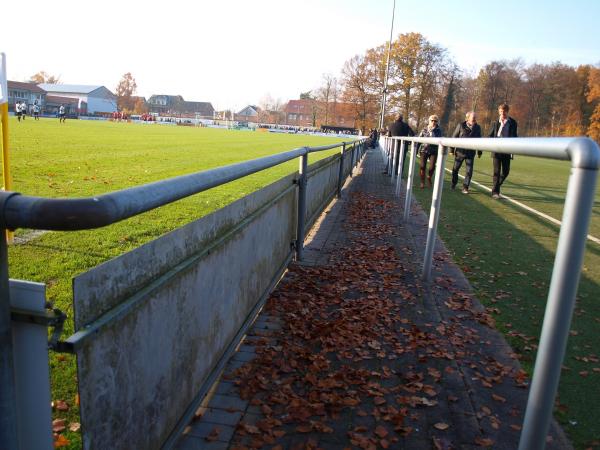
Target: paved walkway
352	350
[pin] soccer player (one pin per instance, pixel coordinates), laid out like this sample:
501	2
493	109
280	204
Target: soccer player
36	111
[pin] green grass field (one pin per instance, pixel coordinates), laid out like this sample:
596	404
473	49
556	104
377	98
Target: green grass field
84	158
508	254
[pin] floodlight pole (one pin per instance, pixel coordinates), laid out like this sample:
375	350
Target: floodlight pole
387	70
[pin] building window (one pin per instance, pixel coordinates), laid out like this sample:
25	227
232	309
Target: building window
292	116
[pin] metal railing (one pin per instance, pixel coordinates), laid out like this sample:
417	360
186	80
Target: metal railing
584	155
21	211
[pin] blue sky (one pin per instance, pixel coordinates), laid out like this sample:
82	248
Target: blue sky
236	52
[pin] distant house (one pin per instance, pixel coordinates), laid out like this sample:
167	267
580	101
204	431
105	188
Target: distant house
175	105
340	115
301	112
248	114
25	92
309	112
90	99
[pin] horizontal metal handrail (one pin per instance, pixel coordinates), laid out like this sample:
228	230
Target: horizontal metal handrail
581	151
22	211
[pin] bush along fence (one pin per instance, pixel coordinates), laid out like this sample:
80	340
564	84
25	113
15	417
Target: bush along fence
154	326
584	155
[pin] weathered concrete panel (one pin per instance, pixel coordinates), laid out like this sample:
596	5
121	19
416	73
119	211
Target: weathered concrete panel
138	375
108	284
322	184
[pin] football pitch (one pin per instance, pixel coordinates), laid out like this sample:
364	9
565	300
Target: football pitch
506	253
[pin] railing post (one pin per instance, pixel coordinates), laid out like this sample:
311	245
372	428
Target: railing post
388	166
8	397
434	213
559	307
302	182
394	158
352	159
341	172
400	166
409	181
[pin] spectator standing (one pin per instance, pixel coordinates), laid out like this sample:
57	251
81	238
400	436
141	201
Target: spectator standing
467	129
401	128
429	151
23	110
504	127
18	110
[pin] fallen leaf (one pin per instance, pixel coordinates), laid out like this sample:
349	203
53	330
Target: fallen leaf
213	435
498	398
441	426
60	405
61	441
304	428
381	431
484	442
59	425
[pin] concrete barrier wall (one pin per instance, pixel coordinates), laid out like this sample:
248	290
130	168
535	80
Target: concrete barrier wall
185	304
167	312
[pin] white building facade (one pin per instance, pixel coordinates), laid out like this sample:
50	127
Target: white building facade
92	99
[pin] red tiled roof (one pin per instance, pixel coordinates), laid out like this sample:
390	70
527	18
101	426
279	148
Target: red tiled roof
25	86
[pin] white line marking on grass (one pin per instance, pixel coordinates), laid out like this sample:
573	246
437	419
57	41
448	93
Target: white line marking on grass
524	206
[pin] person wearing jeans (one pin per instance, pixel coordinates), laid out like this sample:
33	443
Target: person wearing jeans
467	129
429	151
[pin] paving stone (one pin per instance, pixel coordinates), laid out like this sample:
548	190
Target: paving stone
196	443
228	402
203	429
243	356
221	417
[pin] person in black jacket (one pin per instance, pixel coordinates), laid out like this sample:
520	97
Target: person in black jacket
401	128
467	129
504	127
429	151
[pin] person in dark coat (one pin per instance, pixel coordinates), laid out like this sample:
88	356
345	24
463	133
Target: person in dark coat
467	129
401	128
373	138
429	151
504	127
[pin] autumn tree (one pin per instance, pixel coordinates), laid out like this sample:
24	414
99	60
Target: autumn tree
547	99
357	90
593	97
327	94
140	106
124	92
43	77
